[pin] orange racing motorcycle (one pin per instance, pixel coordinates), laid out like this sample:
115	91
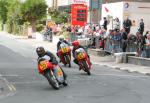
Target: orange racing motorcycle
64	53
83	60
53	73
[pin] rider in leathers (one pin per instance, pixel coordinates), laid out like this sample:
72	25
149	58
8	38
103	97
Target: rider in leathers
76	45
61	40
41	53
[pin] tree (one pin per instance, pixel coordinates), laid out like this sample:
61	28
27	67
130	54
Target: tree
3	11
33	10
59	16
13	14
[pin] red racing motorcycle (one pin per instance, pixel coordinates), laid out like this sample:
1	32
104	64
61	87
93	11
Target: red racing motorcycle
83	60
64	53
53	73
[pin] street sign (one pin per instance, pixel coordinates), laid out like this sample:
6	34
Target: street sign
78	14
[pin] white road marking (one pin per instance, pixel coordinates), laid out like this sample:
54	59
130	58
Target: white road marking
31	82
10	88
13	87
10	75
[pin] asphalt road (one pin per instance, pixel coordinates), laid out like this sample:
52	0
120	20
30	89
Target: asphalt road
18	68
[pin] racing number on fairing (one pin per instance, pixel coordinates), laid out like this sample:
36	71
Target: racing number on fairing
80	56
43	65
64	50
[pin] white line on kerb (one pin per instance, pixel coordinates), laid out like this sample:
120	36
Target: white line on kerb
127	76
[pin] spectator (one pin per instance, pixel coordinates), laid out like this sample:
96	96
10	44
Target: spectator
144	45
132	45
69	28
80	31
148	46
116	24
105	23
124	40
86	29
127	25
116	42
97	27
102	38
139	43
108	46
141	26
93	27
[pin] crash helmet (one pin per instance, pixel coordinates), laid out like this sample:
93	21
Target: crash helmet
40	51
75	43
61	38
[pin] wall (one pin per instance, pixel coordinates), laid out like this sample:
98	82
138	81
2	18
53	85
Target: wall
138	61
63	2
137	11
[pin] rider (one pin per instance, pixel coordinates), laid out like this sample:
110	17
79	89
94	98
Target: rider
61	40
41	53
76	45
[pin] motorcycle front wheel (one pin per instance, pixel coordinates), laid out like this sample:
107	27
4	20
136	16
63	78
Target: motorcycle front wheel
86	68
65	83
67	59
52	79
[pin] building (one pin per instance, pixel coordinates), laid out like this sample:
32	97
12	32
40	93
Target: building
94	6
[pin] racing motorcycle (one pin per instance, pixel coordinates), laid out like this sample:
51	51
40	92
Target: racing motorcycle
53	73
83	60
64	53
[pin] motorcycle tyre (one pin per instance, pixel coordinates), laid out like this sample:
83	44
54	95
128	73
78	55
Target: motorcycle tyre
65	83
67	59
86	68
51	81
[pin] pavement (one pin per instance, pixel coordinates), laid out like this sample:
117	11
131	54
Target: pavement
108	61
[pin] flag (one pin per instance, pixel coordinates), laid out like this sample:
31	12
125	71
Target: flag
106	9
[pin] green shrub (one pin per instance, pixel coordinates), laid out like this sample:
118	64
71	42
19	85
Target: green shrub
39	27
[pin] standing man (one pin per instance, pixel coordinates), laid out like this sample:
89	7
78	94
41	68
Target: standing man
127	25
141	26
124	40
105	23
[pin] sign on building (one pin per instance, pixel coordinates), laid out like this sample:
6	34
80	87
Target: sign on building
79	1
78	14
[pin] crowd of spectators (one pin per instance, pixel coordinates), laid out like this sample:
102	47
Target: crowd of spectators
116	40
